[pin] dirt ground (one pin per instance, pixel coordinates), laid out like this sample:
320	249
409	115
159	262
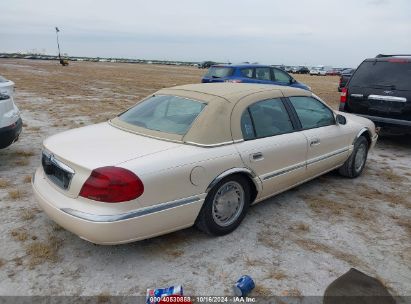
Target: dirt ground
293	244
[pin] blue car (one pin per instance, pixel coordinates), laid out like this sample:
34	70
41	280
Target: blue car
251	73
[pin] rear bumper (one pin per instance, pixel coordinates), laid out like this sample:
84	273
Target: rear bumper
10	134
388	122
115	228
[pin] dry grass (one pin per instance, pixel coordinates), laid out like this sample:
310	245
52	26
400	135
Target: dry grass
275	275
18	261
389	175
175	253
44	251
265	237
394	198
294	292
323	205
22	162
313	246
27	179
15	194
23	153
250	263
303	227
104	297
27	214
261	291
2	262
20	234
406	225
4	183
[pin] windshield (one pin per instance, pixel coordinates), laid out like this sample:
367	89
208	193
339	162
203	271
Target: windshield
219	72
164	113
384	74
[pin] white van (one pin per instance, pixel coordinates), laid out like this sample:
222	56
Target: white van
10	121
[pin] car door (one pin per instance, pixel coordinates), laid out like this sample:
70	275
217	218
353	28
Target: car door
328	143
272	148
263	75
281	77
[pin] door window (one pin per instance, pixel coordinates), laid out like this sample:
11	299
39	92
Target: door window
265	118
311	112
281	76
262	74
248	73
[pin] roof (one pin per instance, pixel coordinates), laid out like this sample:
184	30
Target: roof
219	122
243	65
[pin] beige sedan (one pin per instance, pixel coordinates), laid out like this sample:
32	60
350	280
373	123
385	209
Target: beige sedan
195	154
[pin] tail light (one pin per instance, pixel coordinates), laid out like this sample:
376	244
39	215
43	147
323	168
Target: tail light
343	97
234	80
112	185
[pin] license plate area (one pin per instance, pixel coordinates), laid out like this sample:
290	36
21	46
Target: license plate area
57	172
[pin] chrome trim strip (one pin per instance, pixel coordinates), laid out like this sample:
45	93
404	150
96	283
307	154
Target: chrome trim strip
58	163
133	214
362	131
284	171
387	98
357	95
214	145
234	171
325	156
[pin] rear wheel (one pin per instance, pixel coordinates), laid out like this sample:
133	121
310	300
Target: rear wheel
225	206
355	164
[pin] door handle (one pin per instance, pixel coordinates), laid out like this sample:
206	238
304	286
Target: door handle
256	156
315	142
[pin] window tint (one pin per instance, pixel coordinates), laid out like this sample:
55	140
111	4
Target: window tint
247	73
262	73
268	118
383	74
165	113
219	72
312	113
281	76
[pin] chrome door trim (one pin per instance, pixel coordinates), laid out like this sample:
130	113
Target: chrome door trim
130	215
231	171
328	155
284	171
387	98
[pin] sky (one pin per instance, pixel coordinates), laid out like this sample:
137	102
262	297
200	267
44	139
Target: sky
300	32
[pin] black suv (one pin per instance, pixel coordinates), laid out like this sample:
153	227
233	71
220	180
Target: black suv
380	89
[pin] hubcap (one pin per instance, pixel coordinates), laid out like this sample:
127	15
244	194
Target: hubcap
360	157
228	203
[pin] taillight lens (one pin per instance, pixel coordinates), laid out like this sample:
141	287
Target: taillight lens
112	185
343	97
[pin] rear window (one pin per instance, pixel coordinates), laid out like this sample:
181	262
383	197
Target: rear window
164	113
219	72
381	74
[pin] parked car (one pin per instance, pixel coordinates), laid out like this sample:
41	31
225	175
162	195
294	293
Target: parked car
344	77
194	154
319	71
301	70
332	72
380	89
10	121
205	64
251	73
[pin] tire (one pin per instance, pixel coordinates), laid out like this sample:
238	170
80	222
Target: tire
355	164
210	219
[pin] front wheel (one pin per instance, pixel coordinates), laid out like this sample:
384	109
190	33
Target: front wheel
225	206
355	164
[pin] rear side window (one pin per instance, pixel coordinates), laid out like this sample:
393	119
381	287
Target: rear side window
164	113
248	73
393	75
311	112
262	73
265	118
219	72
281	76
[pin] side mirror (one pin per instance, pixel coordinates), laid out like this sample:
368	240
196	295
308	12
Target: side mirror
341	120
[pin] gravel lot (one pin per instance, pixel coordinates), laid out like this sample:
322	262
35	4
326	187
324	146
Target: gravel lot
293	244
